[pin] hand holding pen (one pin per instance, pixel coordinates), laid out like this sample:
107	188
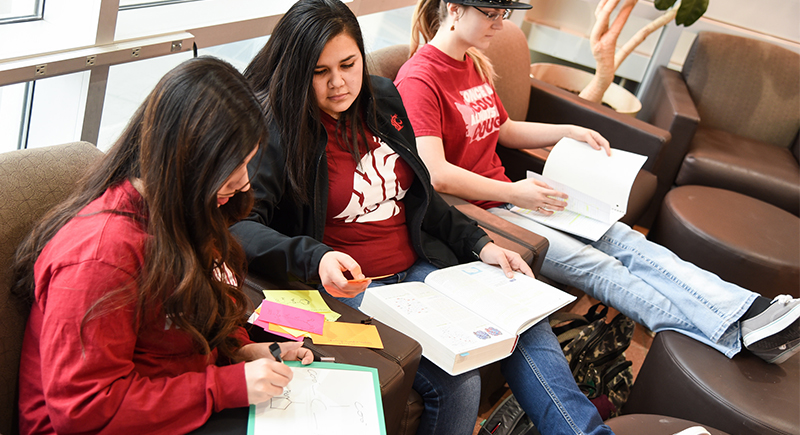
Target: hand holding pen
267	376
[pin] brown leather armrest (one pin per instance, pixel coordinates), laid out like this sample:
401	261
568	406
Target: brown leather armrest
551	104
531	246
669	105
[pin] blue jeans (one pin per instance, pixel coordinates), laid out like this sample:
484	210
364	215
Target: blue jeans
537	373
646	282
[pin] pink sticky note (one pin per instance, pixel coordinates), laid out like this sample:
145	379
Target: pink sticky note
291	317
266	326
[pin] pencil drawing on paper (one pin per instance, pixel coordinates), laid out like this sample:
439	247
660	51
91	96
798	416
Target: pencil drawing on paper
321	399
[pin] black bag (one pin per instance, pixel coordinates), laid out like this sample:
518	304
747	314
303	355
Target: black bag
508	419
595	351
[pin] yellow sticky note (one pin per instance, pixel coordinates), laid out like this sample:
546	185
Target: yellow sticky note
348	334
305	299
291	331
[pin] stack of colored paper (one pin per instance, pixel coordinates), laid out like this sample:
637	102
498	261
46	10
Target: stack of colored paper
295	314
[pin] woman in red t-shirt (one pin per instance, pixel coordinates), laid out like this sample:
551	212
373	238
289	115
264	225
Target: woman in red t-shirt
447	85
135	280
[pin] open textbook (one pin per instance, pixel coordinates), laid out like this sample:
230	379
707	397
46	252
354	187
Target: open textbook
465	316
598	187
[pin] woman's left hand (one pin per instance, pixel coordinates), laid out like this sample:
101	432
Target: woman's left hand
509	261
593	138
290	351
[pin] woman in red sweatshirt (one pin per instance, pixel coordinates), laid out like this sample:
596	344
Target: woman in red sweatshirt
134	281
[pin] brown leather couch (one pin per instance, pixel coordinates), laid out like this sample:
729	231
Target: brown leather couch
733	115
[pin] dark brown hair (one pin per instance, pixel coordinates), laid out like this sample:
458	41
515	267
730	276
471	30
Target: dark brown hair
282	76
192	131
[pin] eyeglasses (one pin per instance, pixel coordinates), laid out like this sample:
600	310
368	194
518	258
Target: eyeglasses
494	16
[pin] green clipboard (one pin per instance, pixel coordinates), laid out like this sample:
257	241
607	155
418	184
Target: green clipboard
376	388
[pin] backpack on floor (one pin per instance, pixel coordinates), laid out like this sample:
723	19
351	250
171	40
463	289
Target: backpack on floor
595	351
508	419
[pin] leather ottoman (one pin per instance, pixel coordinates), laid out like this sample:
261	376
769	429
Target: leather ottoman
742	239
640	424
683	378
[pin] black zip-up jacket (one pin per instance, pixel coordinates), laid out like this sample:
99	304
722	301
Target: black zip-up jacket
283	239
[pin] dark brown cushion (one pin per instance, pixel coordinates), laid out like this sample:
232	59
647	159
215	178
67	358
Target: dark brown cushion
721	159
743	240
746	86
650	424
683	378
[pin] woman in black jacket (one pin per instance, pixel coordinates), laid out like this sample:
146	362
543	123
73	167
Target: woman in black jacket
340	190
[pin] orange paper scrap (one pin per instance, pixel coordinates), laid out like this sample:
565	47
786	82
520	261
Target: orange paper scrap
348	334
357	281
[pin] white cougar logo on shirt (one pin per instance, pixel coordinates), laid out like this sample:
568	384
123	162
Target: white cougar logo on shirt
481	117
375	187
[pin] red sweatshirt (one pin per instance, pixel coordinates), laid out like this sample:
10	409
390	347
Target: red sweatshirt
114	376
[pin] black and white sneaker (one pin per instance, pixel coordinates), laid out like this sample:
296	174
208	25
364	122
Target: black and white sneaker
774	334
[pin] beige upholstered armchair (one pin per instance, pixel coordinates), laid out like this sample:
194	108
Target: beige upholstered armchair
734	115
31	182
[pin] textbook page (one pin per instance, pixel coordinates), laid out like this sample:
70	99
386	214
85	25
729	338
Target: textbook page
568	221
593	172
515	304
323	399
453	337
597	186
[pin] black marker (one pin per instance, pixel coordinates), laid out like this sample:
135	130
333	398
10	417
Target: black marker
276	351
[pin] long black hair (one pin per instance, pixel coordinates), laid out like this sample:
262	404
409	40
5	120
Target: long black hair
192	131
282	76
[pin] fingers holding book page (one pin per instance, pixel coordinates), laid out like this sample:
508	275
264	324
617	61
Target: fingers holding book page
537	195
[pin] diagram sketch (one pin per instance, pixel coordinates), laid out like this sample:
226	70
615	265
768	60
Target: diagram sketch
322	401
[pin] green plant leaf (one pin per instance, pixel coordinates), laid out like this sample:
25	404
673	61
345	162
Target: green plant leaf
690	11
663	5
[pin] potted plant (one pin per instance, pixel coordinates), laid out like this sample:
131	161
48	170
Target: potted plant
603	42
603	38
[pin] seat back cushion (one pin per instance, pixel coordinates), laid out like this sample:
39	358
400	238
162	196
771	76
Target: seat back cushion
31	182
745	86
511	59
386	62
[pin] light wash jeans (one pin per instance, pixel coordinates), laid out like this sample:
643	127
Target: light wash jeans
537	373
646	282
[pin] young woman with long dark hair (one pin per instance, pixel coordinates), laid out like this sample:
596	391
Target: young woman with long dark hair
135	280
341	191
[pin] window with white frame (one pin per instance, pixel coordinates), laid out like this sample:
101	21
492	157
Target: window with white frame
81	69
20	10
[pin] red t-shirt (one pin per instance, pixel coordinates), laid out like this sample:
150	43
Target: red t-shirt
447	98
111	374
366	216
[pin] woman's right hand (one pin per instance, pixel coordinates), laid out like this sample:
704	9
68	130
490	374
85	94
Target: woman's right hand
536	195
265	379
331	274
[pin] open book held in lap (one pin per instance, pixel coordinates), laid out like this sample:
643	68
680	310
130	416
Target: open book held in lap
465	316
598	187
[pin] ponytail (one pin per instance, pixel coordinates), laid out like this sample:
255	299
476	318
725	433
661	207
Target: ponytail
428	16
